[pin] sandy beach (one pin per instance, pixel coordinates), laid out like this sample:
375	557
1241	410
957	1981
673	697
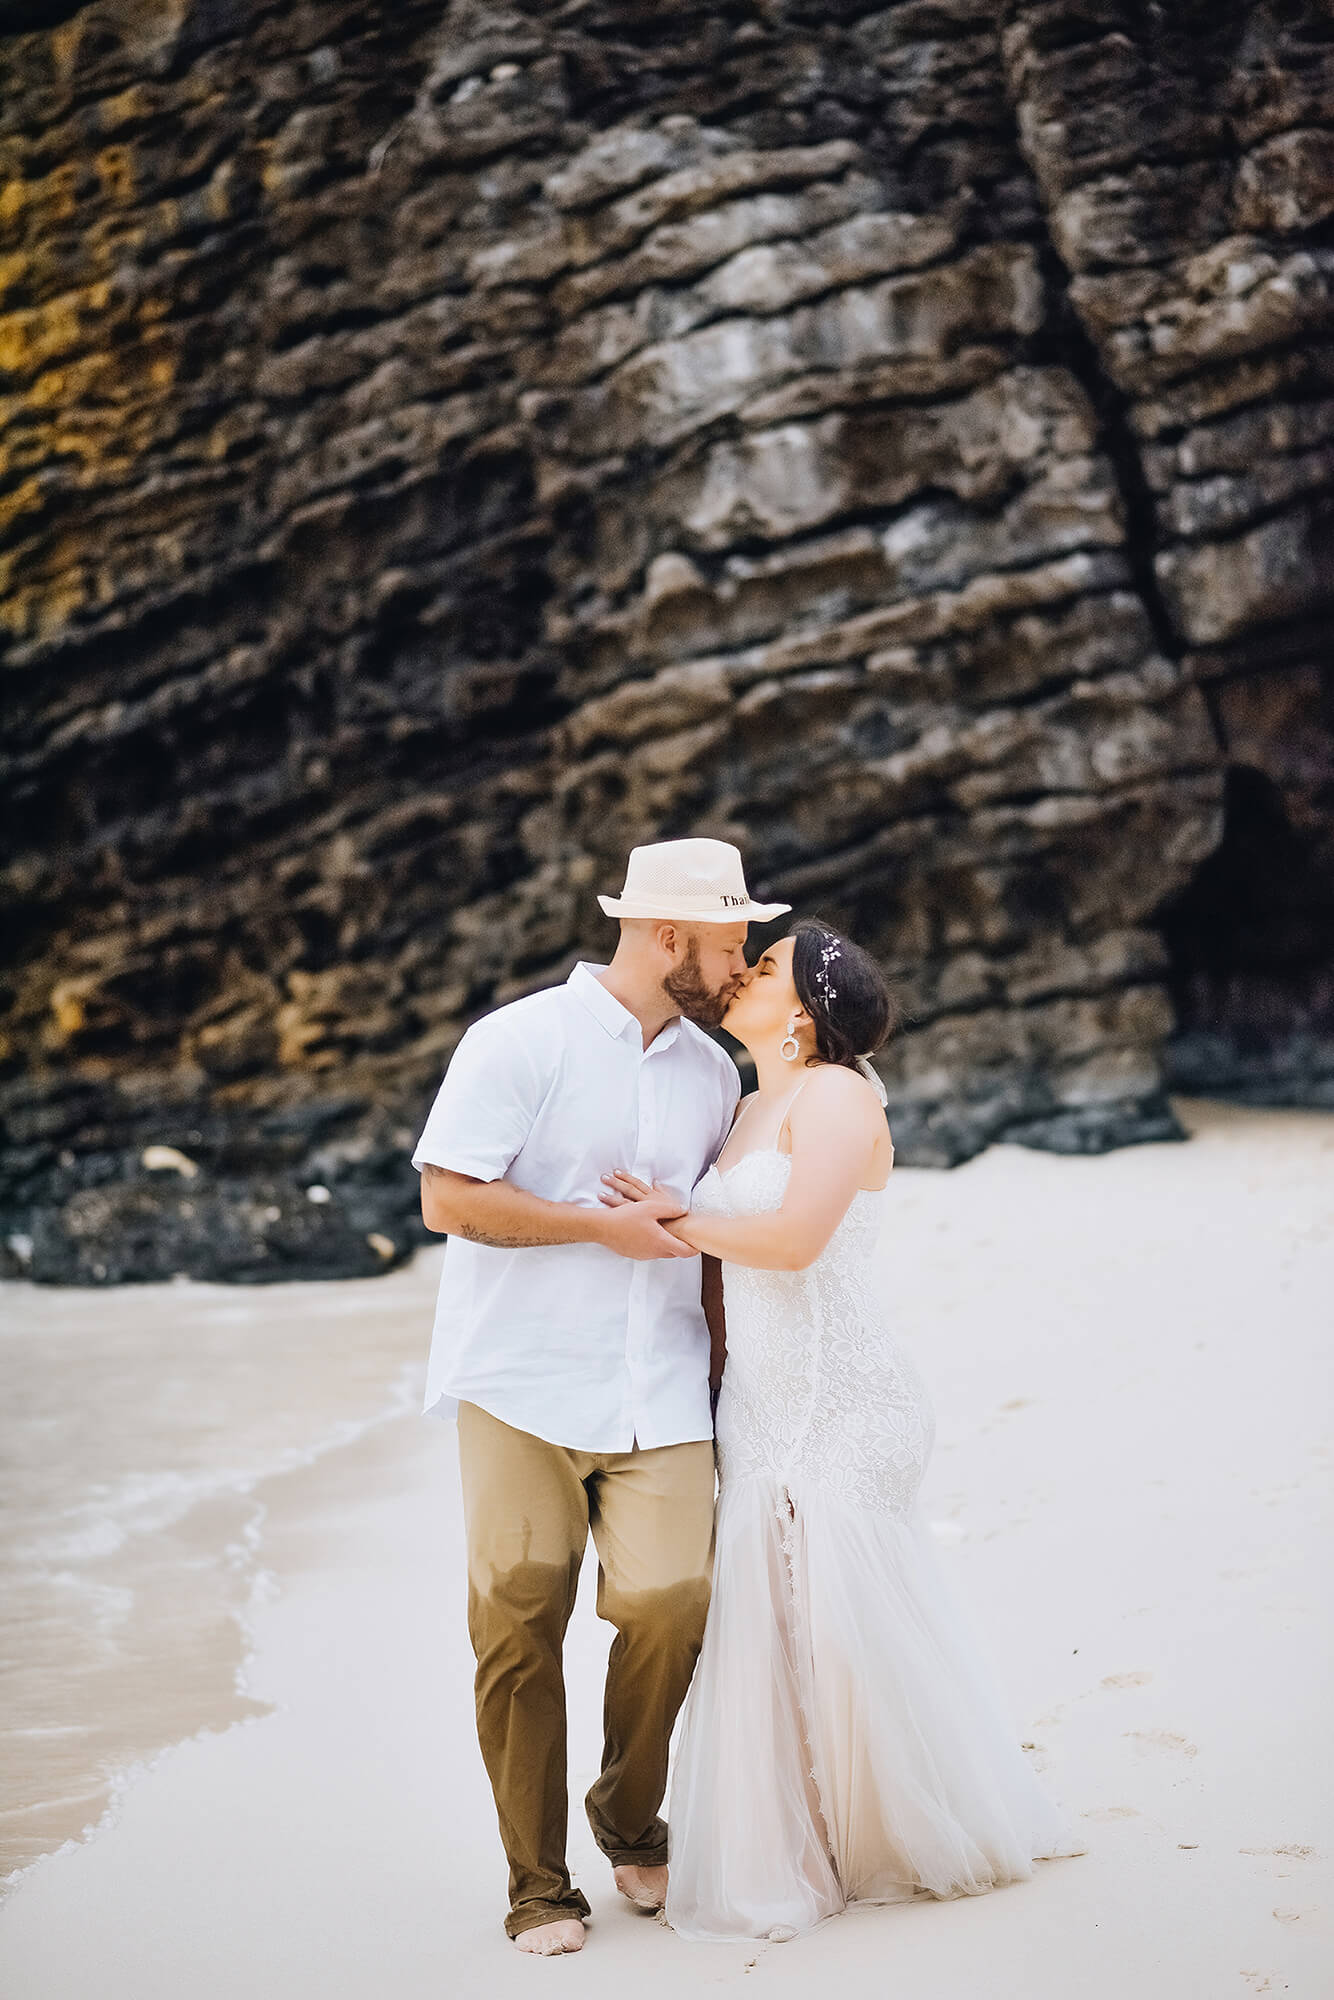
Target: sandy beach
238	1730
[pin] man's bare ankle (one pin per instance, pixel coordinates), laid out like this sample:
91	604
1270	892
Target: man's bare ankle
552	1940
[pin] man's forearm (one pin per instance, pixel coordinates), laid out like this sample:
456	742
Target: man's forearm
502	1216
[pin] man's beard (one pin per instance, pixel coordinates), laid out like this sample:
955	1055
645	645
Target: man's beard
698	1002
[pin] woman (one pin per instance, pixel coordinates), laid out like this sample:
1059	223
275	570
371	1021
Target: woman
839	1742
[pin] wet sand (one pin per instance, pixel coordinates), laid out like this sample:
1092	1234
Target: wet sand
149	1433
233	1550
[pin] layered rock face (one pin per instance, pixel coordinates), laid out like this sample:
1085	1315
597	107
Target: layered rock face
447	445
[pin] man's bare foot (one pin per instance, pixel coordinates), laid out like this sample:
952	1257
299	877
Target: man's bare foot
549	1940
645	1887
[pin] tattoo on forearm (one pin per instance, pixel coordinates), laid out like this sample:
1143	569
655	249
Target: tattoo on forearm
496	1239
493	1236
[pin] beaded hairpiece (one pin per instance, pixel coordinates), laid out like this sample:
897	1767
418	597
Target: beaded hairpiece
829	954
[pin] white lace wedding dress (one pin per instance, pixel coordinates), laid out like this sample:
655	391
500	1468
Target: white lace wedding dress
839	1743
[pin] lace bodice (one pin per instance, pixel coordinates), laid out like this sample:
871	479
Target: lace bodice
815	1386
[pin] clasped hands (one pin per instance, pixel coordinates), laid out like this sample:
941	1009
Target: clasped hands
645	1220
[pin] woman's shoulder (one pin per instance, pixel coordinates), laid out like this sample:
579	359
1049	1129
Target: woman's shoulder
832	1094
833	1084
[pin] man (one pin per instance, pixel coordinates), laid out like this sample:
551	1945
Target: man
572	1341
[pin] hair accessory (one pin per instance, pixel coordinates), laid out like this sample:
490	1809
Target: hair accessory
829	955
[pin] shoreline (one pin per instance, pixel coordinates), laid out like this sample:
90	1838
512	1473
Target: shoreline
144	1467
1127	1355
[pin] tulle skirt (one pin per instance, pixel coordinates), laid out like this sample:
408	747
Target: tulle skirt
840	1742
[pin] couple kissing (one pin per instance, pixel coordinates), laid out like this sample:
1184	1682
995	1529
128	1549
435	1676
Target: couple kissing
656	1297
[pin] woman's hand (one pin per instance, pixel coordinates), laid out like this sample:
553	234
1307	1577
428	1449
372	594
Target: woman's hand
621	1187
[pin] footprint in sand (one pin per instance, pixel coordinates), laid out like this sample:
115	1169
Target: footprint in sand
1293	1852
1162	1739
1006	1410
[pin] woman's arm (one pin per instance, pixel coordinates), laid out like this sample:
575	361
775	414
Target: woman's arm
836	1126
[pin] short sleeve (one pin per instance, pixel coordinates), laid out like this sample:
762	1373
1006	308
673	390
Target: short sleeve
484	1109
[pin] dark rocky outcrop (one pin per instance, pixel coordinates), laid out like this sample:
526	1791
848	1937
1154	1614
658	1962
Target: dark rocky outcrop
446	444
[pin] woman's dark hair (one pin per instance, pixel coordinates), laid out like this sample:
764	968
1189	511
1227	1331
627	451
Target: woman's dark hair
844	992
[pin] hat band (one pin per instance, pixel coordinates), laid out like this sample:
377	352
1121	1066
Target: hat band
687	898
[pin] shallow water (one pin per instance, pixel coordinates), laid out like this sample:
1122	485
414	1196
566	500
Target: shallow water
148	1433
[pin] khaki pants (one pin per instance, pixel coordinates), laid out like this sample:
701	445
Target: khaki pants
529	1507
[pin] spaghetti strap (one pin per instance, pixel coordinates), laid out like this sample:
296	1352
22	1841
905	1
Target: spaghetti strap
787	1110
741	1112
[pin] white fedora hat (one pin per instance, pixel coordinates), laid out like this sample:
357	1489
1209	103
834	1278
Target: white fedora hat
695	881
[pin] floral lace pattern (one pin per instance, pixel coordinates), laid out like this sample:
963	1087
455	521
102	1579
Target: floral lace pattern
816	1387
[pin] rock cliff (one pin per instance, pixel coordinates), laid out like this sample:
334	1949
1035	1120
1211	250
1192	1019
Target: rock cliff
443	445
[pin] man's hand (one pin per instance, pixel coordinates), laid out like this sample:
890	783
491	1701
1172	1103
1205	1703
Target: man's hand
509	1218
633	1224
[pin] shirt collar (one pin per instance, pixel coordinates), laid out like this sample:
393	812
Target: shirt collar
607	1010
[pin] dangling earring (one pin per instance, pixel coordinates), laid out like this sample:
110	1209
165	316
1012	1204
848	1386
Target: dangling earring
790	1048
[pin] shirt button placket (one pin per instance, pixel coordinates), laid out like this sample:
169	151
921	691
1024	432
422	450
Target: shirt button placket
642	1283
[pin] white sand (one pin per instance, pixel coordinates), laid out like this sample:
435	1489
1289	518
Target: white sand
1129	1358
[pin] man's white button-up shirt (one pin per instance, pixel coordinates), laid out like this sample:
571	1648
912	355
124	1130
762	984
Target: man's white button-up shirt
571	1342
